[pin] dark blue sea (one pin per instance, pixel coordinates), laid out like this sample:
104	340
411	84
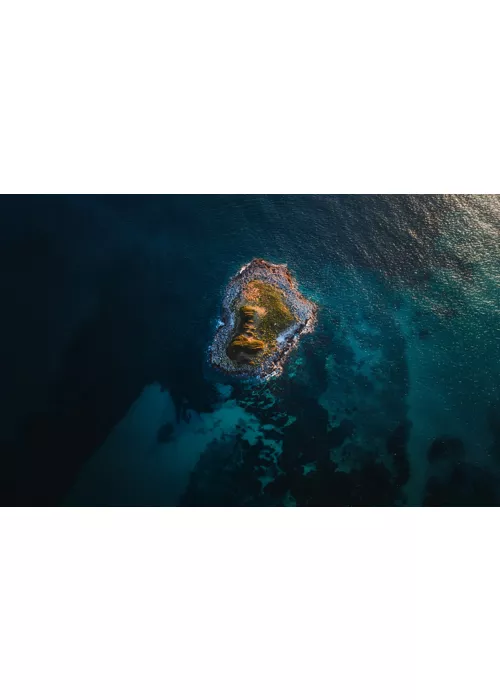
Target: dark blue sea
109	304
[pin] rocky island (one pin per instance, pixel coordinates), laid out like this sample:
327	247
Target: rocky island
263	317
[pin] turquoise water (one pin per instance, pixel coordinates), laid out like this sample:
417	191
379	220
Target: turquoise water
394	400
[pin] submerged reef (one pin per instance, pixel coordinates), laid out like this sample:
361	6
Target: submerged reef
263	317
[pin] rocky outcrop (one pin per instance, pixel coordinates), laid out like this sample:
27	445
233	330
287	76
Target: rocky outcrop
245	345
263	317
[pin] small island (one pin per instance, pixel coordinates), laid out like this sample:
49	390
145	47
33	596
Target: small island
263	317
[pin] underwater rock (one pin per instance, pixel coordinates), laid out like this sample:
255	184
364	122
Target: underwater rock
446	449
166	433
263	317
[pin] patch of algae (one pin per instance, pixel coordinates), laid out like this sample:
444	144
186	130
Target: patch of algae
262	317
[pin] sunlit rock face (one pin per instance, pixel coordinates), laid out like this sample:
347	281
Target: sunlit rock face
244	346
263	317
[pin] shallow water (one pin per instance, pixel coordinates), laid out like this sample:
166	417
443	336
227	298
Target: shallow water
395	399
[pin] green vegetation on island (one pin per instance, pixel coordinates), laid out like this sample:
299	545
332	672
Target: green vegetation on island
262	317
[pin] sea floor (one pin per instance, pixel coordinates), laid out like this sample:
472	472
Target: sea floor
392	401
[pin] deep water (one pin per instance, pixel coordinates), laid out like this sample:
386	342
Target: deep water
109	305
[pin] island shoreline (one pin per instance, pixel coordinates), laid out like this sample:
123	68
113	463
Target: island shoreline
304	312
